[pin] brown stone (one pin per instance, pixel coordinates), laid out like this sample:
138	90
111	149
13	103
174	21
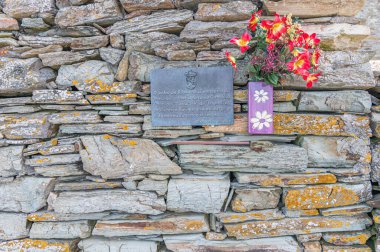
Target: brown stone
353	248
267	214
135	5
347	238
8	23
312	246
181	55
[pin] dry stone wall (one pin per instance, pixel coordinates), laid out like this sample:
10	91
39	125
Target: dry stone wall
83	169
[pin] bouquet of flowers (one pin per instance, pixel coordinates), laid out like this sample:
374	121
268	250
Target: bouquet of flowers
278	48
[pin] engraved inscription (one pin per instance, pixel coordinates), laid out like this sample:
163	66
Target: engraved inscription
197	96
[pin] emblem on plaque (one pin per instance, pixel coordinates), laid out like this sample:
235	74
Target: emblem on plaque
191	79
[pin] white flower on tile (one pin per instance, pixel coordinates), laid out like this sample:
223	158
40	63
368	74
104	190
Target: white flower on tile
261	96
262	119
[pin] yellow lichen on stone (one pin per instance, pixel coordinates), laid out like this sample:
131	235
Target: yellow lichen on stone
320	197
27	245
35	217
350	239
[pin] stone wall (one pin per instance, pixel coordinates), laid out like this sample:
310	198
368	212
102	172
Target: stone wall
82	167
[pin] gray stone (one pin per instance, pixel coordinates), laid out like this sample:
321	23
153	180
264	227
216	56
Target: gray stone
117	41
61	230
11	161
102	12
375	124
91	76
59	170
197	193
7	23
140	109
164	21
267	214
112	157
56	59
85	185
72	31
335	101
27	194
124	119
87	43
35	52
36	24
111	55
75	117
101	128
347	238
228	12
160	187
101	244
176	224
13	226
19	109
14	101
53	160
336	152
171	134
375	161
133	5
148	125
341	70
149	42
296	226
284	107
212	30
198	243
217	158
19	126
59	149
26	8
58	97
108	200
20	76
255	199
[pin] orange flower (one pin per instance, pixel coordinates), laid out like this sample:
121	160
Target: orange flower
231	59
300	63
254	21
242	42
310	78
315	58
275	28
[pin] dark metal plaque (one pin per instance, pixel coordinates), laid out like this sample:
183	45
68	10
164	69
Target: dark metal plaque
192	96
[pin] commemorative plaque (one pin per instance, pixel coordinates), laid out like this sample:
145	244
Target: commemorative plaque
192	96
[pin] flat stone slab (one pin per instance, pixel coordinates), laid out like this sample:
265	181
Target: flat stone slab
61	230
101	244
13	226
170	225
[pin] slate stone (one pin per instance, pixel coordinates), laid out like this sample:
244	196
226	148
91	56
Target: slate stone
11	161
59	170
60	230
17	8
177	224
56	59
197	243
29	245
375	161
19	126
7	23
21	76
132	5
318	124
112	157
245	200
34	24
227	12
149	42
197	193
13	226
111	55
347	238
38	160
325	196
26	194
100	244
336	101
305	9
336	152
91	76
296	226
233	217
108	200
160	187
217	158
58	97
102	12
75	117
164	21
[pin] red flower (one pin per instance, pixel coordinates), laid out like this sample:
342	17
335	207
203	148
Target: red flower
255	18
310	78
231	59
275	28
242	42
300	63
